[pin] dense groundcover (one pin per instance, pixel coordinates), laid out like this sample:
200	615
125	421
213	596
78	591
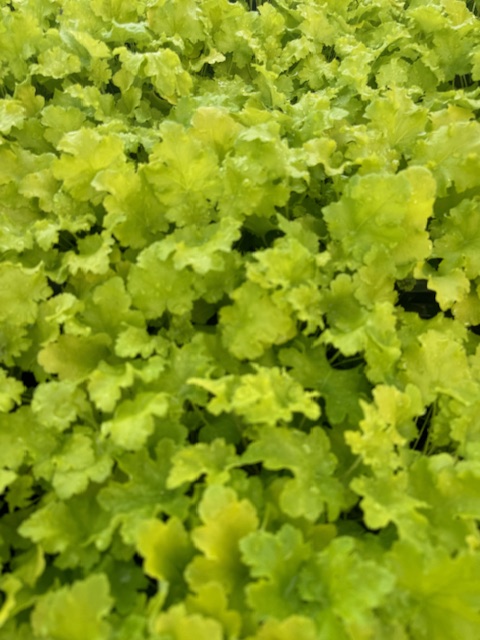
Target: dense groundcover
239	311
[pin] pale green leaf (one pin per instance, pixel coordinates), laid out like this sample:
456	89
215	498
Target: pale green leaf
71	613
134	420
225	521
11	391
255	321
314	489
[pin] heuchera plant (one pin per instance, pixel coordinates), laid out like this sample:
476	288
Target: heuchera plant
239	301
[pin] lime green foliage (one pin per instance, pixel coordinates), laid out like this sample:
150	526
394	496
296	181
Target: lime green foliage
71	612
239	310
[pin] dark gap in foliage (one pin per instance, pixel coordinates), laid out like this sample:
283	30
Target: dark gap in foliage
355	519
322	245
337	360
273	235
196	487
241	446
205	313
28	379
66	241
213	320
189	406
207	71
304	424
153	329
112	88
445	87
46	87
151	588
434	263
140	156
31	497
355	515
471	5
475	329
118	474
329	53
27	395
302	329
69	575
443	206
131	46
302	325
193	431
308	424
248	242
55	287
254	469
464	81
156	100
253	5
94	229
423	429
419	299
351	170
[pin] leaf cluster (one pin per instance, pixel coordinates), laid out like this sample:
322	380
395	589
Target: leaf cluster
239	311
